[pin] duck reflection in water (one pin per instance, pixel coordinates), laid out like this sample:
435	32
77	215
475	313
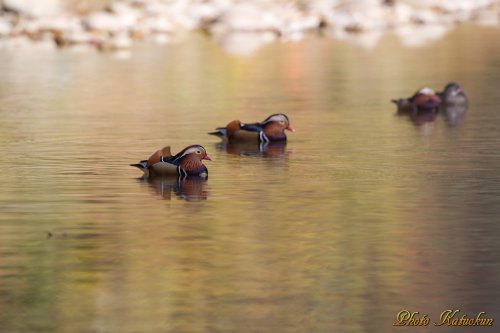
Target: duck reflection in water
272	149
419	117
454	114
191	188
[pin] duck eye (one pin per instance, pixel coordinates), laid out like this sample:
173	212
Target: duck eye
198	152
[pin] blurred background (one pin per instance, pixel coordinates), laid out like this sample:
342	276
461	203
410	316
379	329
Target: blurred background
239	26
363	213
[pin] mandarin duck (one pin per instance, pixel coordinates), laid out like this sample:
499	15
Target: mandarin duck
185	163
271	129
453	94
424	99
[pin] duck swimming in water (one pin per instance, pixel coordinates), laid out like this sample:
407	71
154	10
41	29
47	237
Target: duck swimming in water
188	162
425	99
271	129
453	94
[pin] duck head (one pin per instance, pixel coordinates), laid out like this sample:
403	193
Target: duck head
279	119
275	125
189	161
194	151
453	94
452	89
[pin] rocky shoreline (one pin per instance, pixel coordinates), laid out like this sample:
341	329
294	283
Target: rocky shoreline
239	26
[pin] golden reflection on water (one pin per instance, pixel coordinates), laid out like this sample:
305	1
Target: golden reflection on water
362	214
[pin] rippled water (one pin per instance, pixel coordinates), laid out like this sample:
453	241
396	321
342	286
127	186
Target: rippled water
362	214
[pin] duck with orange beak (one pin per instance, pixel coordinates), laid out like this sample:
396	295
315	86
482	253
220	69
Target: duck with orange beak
188	162
270	130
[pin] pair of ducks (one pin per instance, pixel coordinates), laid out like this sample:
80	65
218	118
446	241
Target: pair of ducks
427	99
188	162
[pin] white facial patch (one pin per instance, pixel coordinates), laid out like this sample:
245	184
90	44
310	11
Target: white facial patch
193	150
278	117
426	91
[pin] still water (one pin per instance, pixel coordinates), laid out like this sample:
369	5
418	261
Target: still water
361	215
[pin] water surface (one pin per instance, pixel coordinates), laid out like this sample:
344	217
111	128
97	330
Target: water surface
362	214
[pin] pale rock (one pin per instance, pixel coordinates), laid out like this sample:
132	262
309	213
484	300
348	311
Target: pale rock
156	8
420	35
110	22
323	7
452	6
127	14
246	17
293	36
290	21
84	37
426	16
5	28
179	13
205	12
120	41
56	24
35	8
402	14
157	24
359	15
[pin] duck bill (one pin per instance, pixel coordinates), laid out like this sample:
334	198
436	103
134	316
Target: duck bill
290	128
206	157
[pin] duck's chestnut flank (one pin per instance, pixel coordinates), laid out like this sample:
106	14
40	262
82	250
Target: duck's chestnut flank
424	99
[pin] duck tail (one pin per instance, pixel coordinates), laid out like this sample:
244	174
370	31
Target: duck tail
141	165
221	131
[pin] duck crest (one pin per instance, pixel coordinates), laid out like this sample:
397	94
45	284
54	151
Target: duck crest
184	153
276	117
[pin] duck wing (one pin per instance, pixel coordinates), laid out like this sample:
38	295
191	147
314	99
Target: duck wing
255	127
160	156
